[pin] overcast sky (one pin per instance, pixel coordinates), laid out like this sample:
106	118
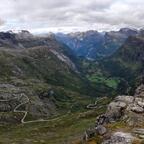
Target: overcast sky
70	15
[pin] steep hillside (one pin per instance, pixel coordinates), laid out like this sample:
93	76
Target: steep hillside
39	75
120	72
127	62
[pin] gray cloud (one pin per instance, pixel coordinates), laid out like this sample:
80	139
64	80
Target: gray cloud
2	22
67	14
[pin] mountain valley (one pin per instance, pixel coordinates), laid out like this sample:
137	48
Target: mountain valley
52	87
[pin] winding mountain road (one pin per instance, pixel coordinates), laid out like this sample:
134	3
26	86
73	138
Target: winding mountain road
26	112
90	106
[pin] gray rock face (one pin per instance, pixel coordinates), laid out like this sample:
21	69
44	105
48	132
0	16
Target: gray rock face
124	98
129	107
89	133
101	120
140	103
117	104
137	109
140	91
101	130
119	138
139	133
115	110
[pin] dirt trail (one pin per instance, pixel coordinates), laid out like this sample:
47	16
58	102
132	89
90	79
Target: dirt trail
26	112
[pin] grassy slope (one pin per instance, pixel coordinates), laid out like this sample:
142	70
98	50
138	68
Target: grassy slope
99	79
67	129
34	71
39	63
127	63
103	84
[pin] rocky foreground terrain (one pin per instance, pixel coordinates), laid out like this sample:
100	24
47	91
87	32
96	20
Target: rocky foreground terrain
123	122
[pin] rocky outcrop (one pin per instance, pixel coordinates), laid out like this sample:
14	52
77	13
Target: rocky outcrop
129	109
140	92
64	59
139	132
101	130
119	138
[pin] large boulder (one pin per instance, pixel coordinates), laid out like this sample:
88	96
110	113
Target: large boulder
89	133
124	98
129	108
140	103
120	138
140	91
137	109
115	110
139	132
101	130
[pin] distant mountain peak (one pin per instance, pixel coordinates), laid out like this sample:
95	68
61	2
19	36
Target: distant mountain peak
93	44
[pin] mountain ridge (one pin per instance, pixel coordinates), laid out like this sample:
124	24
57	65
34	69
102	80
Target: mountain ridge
93	44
